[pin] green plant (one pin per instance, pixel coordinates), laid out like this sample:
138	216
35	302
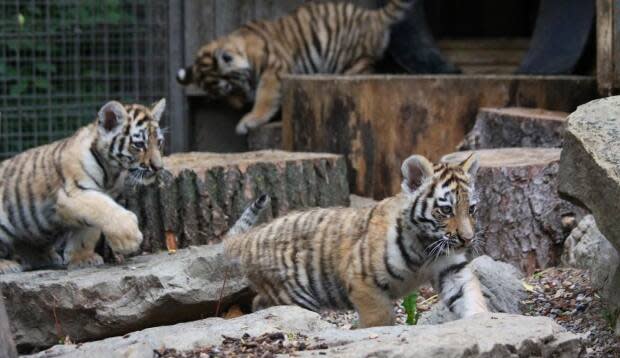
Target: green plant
411	308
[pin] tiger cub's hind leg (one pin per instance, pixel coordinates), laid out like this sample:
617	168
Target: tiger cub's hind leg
80	249
373	307
260	302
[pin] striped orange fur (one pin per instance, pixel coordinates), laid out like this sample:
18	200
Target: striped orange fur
366	258
246	66
62	195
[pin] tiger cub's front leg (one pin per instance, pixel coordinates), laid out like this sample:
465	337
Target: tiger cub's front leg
266	105
459	289
80	249
94	209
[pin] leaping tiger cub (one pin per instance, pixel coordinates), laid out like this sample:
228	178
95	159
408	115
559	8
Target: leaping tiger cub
246	65
365	258
64	193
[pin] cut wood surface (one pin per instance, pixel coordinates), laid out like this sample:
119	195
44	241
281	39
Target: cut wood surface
200	195
520	215
516	127
378	121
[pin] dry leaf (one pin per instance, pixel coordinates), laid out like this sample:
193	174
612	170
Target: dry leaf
233	312
171	242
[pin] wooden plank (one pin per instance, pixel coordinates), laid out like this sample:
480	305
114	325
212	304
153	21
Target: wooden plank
605	46
199	25
176	105
378	121
615	41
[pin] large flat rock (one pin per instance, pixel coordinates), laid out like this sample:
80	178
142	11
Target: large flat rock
46	306
493	335
520	216
200	195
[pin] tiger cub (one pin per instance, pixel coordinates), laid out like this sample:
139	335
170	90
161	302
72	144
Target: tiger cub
247	65
365	258
63	193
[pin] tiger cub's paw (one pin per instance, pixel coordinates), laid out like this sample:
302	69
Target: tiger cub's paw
9	266
248	122
84	260
124	237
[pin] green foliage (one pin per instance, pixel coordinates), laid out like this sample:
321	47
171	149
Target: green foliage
411	308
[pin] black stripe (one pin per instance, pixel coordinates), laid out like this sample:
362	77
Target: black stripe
32	200
111	147
450	270
411	263
294	256
309	255
325	281
8	232
454	298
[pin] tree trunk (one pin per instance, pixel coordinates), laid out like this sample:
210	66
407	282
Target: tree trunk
516	127
520	217
7	346
200	195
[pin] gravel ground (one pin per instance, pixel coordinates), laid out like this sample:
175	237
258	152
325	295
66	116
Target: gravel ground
566	296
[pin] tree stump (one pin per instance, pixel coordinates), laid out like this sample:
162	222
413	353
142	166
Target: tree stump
200	195
268	136
520	217
516	127
376	122
7	346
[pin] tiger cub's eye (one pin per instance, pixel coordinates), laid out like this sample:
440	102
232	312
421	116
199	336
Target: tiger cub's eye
445	210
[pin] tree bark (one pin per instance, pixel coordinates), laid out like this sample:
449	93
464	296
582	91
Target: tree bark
200	195
516	127
520	217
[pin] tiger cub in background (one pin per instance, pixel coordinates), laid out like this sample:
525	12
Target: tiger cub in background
365	258
63	193
247	65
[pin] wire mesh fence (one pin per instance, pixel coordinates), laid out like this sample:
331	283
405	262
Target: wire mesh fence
60	60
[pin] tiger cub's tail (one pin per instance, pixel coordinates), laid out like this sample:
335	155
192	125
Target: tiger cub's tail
250	216
394	11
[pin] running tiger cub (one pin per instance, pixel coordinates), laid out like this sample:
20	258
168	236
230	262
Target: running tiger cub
246	66
63	193
365	258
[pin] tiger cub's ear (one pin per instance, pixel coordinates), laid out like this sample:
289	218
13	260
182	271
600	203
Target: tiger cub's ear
111	117
471	165
416	169
158	109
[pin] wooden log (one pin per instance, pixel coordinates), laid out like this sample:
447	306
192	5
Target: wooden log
608	46
7	345
378	121
268	136
516	127
200	195
520	217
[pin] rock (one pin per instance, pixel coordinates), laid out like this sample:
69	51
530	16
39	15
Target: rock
268	136
516	127
495	335
590	168
94	303
200	195
501	285
7	346
520	215
587	249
